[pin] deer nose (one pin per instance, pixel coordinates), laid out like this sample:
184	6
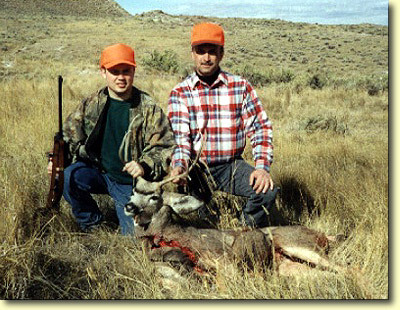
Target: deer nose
131	208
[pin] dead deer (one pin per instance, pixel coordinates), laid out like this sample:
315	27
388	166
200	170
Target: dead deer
169	238
158	220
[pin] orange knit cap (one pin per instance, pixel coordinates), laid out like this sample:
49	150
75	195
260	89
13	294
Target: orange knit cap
207	33
117	54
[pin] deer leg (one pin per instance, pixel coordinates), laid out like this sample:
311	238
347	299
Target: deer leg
174	257
287	267
170	278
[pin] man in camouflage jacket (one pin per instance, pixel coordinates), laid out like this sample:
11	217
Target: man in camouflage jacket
94	133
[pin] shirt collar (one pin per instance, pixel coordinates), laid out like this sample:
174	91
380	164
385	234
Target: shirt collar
194	80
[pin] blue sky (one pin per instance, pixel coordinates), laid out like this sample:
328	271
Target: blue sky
309	11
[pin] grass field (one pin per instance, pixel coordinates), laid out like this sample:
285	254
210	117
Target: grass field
325	89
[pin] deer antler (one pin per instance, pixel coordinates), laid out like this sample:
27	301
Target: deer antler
186	173
124	148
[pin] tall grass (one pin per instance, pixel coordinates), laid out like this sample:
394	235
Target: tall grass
331	161
333	181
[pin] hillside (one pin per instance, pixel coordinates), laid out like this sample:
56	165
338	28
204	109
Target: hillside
254	47
94	8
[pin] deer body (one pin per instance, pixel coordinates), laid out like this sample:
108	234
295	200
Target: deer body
171	239
210	246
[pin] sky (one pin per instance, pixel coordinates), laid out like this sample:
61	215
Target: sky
308	11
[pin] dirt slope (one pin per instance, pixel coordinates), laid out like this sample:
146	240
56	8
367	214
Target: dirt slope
90	8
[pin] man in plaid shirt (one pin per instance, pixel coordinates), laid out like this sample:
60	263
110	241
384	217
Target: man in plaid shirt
227	109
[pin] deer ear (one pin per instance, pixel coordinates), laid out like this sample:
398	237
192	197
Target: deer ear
180	203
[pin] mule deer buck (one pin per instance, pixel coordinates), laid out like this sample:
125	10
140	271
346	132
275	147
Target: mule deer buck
170	238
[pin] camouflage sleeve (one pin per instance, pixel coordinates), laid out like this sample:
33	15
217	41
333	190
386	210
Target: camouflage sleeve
73	130
159	143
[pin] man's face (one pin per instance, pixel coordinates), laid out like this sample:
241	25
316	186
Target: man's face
206	58
119	80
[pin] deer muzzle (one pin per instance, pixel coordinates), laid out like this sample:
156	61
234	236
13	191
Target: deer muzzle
131	209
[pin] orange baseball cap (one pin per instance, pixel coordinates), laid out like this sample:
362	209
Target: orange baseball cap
117	54
207	33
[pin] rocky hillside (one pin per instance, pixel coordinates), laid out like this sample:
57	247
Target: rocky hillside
83	8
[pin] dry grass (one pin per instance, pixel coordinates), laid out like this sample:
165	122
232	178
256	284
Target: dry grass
331	154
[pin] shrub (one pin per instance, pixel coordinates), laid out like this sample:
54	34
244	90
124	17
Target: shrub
324	123
377	84
185	70
253	76
317	81
165	61
373	89
283	76
258	78
373	84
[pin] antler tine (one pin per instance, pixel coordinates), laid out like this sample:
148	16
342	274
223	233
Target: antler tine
124	147
186	173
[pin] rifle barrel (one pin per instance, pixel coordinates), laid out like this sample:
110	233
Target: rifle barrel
60	81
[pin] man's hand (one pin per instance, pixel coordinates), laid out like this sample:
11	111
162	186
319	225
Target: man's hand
177	171
261	181
134	169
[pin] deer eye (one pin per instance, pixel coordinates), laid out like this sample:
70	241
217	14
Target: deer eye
154	197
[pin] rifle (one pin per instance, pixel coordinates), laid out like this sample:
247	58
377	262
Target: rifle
58	156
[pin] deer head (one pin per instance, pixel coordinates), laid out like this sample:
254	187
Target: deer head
149	197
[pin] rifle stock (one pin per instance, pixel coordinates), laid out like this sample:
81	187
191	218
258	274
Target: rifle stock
58	157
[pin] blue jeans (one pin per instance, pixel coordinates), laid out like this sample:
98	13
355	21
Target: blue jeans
80	181
233	177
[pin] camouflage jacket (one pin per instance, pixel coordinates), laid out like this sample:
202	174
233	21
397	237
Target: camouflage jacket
152	141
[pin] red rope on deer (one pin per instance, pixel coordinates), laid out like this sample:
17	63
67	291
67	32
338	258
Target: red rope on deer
175	244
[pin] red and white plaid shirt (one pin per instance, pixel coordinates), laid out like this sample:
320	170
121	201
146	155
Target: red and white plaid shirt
228	111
